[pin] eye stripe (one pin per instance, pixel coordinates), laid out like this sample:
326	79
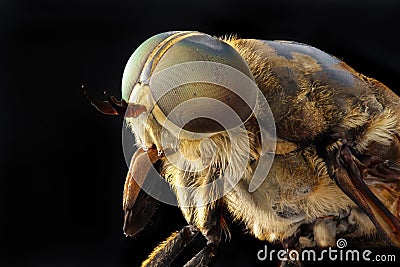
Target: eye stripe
159	51
146	71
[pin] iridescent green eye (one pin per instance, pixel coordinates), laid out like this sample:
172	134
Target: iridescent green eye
183	51
136	62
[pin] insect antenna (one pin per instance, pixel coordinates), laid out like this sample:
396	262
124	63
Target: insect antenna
112	106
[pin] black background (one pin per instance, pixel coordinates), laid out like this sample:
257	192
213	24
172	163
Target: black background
62	166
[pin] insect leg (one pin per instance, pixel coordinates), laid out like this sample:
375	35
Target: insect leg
167	251
203	257
212	231
292	243
350	179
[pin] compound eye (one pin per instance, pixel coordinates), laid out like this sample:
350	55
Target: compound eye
199	83
137	62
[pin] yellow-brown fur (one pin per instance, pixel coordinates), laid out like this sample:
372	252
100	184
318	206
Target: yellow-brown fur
312	95
314	100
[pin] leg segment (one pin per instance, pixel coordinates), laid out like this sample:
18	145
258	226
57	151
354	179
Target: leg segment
349	175
292	243
167	251
212	231
204	257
